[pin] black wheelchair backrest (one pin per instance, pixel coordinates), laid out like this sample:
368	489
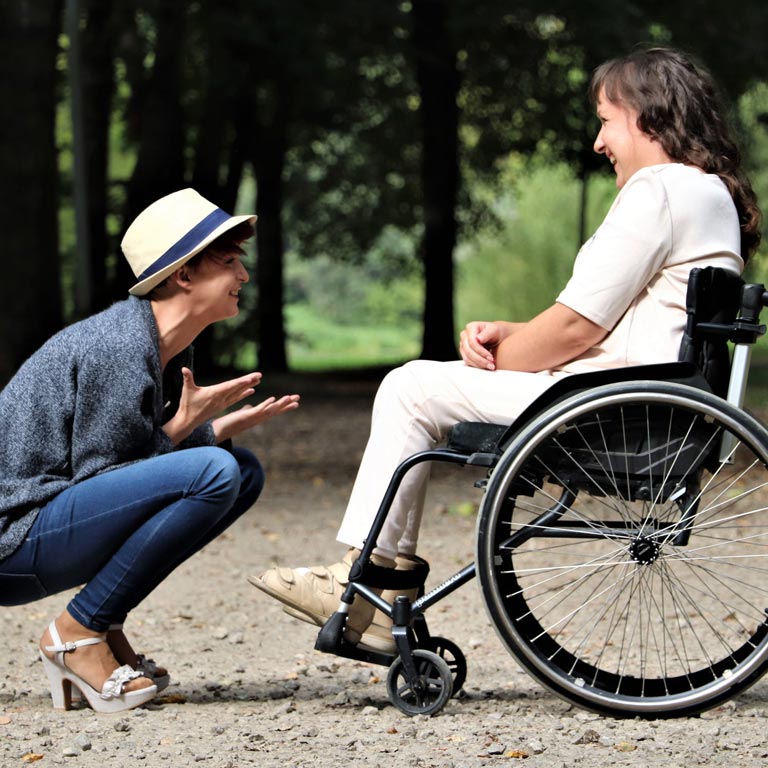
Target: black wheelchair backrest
712	303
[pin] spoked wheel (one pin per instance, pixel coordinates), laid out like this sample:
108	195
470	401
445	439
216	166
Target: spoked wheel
623	549
453	656
429	693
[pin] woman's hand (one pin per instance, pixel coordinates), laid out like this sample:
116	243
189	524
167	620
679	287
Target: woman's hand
478	341
231	424
200	404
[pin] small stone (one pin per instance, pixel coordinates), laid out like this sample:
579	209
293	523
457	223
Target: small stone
83	742
589	736
122	726
70	752
237	638
219	633
341	698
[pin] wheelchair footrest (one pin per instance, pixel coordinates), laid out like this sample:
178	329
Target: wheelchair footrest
330	639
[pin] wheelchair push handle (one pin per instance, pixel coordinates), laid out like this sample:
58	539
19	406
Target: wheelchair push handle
747	328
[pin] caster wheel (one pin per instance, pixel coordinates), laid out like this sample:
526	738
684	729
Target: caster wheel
453	656
429	693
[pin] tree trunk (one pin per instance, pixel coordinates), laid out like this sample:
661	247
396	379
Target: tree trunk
269	147
160	162
438	81
98	86
30	290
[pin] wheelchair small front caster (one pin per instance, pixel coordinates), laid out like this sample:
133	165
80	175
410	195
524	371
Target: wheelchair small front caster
453	656
429	692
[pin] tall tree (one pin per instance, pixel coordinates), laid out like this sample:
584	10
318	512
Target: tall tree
30	289
438	79
159	119
97	72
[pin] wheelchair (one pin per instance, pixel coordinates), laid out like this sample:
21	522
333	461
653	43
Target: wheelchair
622	538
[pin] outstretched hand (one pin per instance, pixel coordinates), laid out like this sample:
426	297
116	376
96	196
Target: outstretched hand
231	424
200	404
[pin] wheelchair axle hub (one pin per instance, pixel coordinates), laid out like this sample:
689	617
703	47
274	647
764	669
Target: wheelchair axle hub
644	550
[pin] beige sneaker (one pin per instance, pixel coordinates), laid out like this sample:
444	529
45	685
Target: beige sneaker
378	635
313	594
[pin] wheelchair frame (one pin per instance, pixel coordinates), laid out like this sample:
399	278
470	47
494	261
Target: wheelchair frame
638	457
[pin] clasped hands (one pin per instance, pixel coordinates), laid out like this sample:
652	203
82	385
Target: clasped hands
200	404
478	341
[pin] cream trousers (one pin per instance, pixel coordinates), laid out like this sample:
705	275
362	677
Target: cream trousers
414	408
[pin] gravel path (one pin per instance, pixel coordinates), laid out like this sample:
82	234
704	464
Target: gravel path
248	688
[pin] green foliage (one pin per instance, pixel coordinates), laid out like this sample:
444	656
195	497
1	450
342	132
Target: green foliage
517	271
753	118
317	343
342	315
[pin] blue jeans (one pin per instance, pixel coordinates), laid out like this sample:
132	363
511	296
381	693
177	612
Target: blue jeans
121	533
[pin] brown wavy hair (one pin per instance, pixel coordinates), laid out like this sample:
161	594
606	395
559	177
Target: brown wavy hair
677	103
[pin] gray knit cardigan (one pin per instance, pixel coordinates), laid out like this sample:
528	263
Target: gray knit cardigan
91	399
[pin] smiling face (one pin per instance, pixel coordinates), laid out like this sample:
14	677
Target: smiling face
627	147
217	280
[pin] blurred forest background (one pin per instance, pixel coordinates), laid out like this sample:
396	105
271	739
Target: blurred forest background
414	163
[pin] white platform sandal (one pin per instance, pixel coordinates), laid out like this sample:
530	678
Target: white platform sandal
111	698
147	667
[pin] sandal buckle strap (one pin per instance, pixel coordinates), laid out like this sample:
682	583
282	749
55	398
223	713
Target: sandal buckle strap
72	645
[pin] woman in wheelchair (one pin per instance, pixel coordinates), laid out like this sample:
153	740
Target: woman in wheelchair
114	465
683	202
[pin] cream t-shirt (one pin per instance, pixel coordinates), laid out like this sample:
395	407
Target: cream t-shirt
631	276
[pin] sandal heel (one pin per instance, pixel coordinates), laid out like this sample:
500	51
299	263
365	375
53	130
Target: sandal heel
61	688
110	699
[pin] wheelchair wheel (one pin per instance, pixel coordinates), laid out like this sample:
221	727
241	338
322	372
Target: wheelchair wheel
429	693
453	656
622	549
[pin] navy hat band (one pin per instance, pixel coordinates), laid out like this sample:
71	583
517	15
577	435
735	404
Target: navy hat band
180	248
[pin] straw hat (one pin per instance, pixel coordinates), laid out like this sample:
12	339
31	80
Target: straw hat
170	232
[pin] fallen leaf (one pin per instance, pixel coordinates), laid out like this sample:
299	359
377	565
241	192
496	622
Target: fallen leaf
172	698
5	720
31	757
625	746
518	753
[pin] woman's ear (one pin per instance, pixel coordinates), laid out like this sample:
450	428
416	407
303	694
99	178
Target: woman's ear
182	277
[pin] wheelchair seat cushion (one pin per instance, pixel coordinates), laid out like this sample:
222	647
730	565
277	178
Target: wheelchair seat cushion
476	437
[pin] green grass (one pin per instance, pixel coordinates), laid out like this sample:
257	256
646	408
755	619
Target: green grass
317	344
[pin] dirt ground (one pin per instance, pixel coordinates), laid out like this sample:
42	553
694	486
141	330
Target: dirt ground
248	688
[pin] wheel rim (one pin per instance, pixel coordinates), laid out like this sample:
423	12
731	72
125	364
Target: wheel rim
633	618
430	692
